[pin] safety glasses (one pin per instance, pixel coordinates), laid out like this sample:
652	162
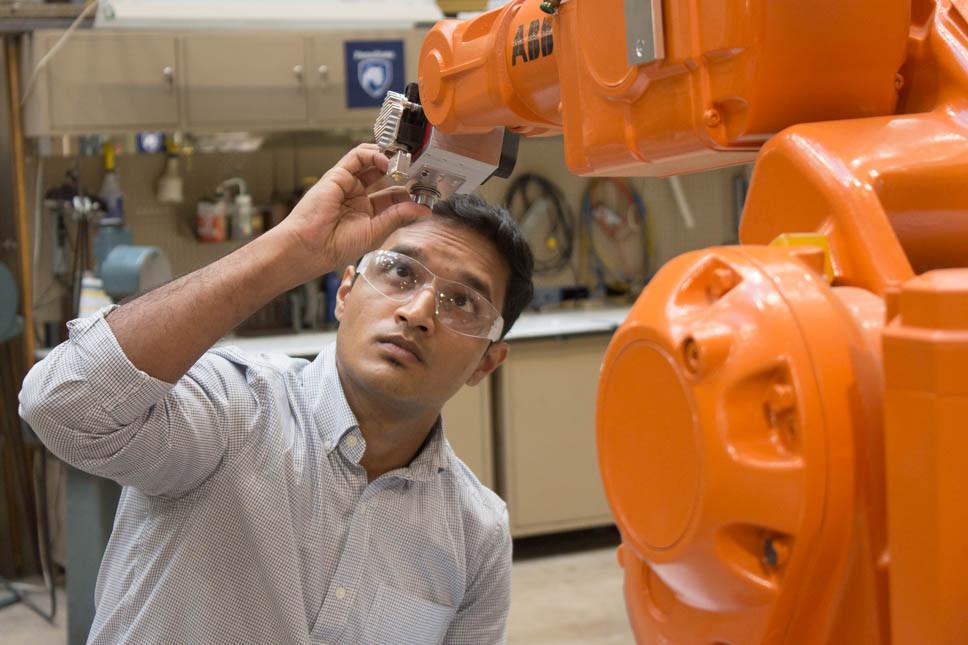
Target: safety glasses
458	307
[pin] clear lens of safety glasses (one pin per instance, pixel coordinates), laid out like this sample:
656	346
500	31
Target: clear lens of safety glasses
458	307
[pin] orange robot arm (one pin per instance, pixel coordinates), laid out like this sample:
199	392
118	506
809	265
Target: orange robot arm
708	84
780	423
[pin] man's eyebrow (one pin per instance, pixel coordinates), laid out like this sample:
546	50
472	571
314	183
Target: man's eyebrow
473	281
466	277
412	251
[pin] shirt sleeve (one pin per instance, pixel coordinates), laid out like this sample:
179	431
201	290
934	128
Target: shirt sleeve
98	412
482	617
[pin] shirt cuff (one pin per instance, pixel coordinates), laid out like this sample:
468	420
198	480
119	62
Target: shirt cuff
122	389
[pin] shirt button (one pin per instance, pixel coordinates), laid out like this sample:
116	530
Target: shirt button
328	444
351	441
340	593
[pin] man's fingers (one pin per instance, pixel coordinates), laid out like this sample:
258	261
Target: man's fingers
397	215
363	157
370	176
384	199
347	182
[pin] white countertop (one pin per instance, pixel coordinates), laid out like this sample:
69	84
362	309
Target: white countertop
528	326
567	323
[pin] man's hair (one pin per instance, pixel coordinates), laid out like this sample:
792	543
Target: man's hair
496	224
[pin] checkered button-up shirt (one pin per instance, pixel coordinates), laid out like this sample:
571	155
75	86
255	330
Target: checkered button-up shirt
246	516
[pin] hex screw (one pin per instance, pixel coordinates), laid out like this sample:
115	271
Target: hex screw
775	552
712	118
780	401
550	6
692	355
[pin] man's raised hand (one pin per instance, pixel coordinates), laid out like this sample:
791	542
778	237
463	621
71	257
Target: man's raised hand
338	220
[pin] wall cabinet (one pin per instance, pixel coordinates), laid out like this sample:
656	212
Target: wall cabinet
244	81
547	459
204	81
105	82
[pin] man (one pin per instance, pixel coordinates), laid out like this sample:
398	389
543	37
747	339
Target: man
271	500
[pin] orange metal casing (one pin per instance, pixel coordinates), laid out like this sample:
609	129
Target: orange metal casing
735	73
472	79
925	354
889	192
890	197
730	415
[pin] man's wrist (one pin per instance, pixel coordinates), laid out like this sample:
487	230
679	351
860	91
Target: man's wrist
289	260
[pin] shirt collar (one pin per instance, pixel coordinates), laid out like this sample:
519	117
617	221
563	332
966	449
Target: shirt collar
334	418
432	458
332	414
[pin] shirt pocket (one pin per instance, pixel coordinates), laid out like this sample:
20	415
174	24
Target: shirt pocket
398	618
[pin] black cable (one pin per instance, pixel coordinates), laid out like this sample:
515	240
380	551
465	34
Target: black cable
526	191
43	530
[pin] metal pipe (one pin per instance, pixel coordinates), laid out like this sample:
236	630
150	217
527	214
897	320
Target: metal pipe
684	211
12	52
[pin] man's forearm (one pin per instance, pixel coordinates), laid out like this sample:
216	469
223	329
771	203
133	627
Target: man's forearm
165	331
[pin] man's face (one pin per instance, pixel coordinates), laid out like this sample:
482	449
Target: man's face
399	351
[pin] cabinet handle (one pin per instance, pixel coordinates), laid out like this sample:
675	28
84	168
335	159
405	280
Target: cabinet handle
324	74
297	71
169	75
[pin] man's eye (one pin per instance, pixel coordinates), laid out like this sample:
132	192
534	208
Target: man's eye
464	302
402	271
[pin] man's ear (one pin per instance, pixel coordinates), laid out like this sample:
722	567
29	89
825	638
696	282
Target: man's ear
496	354
349	276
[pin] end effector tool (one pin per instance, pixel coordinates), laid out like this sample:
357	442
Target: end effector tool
434	165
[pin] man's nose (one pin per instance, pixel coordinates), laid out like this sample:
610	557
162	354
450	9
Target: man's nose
420	311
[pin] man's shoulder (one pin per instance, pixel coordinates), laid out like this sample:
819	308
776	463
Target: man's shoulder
479	504
261	361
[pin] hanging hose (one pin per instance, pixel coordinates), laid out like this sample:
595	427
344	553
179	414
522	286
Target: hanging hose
616	220
539	207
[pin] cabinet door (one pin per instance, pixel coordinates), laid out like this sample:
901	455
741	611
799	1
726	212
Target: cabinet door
327	86
549	464
467	426
251	80
107	82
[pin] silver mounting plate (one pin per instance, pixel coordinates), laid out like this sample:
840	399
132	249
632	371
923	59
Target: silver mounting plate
644	34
